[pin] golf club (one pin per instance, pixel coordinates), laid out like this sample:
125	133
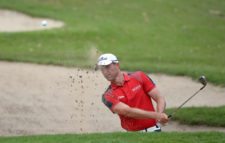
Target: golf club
203	81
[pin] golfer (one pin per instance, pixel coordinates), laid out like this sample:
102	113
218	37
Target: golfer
130	96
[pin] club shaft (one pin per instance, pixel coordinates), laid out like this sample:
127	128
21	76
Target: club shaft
185	102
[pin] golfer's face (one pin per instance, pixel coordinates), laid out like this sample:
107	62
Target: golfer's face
110	71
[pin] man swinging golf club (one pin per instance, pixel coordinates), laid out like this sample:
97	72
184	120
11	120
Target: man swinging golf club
130	96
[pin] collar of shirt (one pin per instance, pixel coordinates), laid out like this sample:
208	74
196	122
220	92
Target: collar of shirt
126	78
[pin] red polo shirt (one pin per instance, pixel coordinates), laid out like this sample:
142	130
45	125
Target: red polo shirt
134	93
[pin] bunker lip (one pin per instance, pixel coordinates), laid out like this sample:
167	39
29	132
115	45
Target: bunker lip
13	21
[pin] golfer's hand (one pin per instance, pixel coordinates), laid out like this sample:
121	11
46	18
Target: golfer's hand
163	119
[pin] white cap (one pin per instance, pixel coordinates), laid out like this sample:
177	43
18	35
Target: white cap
106	59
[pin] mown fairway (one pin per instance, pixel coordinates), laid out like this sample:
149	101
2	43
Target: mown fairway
174	37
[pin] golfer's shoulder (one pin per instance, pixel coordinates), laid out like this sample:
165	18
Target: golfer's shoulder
136	74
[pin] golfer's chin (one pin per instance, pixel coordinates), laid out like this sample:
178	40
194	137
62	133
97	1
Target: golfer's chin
109	78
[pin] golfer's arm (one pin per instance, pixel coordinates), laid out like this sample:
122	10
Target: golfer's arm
159	99
127	111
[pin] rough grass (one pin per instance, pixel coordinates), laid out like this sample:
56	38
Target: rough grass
210	116
207	137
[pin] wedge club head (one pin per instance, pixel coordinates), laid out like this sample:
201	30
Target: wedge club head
203	81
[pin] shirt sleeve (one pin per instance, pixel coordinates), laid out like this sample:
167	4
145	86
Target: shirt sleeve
109	100
147	82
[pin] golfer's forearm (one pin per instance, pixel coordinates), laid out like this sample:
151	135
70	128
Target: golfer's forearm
141	114
125	110
161	105
159	99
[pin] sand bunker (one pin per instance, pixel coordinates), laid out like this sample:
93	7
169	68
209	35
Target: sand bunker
11	21
39	99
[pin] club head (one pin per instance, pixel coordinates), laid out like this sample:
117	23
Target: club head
203	81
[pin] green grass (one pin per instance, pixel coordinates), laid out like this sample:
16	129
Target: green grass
210	137
210	116
174	37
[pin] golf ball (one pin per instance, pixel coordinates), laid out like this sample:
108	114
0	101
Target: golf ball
44	23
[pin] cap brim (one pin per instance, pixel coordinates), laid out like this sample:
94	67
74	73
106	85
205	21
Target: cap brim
104	62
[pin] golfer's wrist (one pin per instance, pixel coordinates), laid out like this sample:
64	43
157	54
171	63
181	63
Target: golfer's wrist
159	116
